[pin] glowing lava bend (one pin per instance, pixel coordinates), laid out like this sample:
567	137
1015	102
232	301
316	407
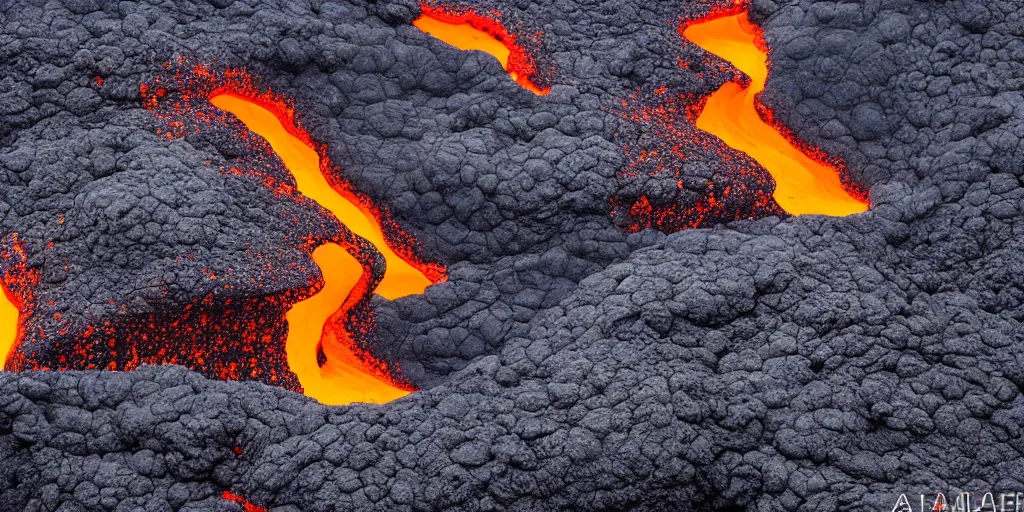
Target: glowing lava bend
803	184
16	284
321	346
345	380
467	30
9	320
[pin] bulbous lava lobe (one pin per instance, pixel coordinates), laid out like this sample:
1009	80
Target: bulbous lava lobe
805	363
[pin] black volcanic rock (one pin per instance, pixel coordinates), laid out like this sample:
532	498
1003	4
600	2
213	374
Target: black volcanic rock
805	363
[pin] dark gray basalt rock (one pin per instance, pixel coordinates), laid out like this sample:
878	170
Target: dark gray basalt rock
804	363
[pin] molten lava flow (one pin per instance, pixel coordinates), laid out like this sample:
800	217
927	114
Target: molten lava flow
471	31
803	185
303	162
17	281
9	321
246	505
345	379
464	37
349	375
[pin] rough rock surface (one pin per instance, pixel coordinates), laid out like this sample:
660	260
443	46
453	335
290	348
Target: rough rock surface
802	363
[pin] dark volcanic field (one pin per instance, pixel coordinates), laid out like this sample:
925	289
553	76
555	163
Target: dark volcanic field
759	363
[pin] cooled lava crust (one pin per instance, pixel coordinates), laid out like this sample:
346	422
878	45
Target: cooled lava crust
589	351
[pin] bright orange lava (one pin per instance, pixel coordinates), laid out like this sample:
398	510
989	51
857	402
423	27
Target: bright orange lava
303	162
802	184
9	318
246	505
464	37
344	378
469	31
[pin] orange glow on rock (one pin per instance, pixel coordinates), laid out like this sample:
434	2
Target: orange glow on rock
17	281
471	31
349	374
804	183
9	320
303	162
328	322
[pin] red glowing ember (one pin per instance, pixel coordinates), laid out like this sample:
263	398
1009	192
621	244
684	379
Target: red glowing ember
230	340
321	352
466	29
738	188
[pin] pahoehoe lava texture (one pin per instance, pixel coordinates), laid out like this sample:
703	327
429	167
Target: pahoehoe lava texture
804	363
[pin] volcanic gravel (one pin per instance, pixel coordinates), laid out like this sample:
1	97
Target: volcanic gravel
759	363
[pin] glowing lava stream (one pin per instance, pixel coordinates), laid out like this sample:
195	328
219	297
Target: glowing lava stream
802	185
343	380
9	322
470	31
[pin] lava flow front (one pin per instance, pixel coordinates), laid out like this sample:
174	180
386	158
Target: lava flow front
349	375
471	31
803	185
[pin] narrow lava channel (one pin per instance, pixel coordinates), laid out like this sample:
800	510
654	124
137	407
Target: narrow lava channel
346	377
802	184
471	31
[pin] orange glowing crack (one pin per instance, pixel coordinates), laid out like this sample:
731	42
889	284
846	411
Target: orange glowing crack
470	31
9	321
802	184
344	378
